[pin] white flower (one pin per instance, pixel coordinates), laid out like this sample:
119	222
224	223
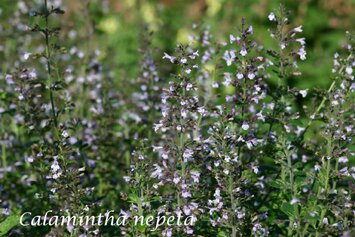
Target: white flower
183	60
202	110
195	175
245	126
157	148
26	56
251	75
194	55
227	79
215	85
188	153
260	116
303	92
255	169
165	155
240	139
188	70
232	39
157	126
29	159
298	29
184	113
217	163
21	97
272	17
57	175
335	102
124	214
250	30
176	180
240	215
158	172
187	210
343	159
55	166
65	134
189	231
240	75
243	52
229	57
302	41
6	211
294	201
299	130
185	194
313	213
9	79
189	86
349	70
73	140
302	53
249	144
165	111
171	58
167	233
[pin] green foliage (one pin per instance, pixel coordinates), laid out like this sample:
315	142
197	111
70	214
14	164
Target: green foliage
107	105
8	223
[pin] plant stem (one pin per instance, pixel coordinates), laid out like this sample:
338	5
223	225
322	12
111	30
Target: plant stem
49	68
3	155
233	204
181	149
140	211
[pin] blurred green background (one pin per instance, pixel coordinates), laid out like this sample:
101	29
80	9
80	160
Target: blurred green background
115	26
118	24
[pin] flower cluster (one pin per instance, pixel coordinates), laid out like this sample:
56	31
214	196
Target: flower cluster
218	132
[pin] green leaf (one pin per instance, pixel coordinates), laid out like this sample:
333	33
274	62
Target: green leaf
222	234
140	227
288	209
156	198
133	198
300	180
9	223
277	183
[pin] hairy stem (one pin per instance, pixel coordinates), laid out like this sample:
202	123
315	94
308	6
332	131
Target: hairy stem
49	71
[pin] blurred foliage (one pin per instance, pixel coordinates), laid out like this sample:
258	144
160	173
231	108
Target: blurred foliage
114	26
118	23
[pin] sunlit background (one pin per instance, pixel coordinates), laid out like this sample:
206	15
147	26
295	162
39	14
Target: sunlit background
115	27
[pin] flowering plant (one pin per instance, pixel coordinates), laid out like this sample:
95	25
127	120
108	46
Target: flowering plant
216	135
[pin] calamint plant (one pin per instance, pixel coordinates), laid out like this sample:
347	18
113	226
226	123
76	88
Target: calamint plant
219	136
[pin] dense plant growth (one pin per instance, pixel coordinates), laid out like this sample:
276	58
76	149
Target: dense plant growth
215	131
